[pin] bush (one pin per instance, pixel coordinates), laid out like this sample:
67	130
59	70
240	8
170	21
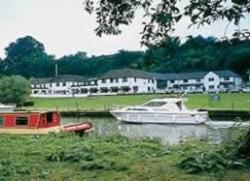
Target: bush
28	103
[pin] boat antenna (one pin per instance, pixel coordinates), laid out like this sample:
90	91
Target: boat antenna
183	94
77	107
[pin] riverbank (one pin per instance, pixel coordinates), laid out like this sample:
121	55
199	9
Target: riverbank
69	157
235	101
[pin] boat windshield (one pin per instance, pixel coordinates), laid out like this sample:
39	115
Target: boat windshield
155	104
179	104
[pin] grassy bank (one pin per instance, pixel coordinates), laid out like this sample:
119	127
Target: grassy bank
69	157
237	101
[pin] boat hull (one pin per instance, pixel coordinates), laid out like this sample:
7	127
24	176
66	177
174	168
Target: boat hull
71	128
30	131
161	118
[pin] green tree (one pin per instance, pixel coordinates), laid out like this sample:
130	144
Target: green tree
26	56
161	17
14	89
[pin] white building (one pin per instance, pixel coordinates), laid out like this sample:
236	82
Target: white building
58	86
213	81
122	81
127	81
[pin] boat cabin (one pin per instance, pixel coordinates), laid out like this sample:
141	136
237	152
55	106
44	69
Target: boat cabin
29	120
167	103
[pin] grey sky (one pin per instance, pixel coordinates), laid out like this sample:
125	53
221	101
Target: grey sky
64	28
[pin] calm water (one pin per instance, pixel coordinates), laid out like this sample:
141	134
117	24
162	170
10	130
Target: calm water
168	133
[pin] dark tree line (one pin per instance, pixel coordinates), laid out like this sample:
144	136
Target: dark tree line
27	57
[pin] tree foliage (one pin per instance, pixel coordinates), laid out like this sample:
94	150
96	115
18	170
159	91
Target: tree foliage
14	89
27	56
161	17
171	55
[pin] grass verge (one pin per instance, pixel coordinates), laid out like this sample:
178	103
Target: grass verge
69	157
236	101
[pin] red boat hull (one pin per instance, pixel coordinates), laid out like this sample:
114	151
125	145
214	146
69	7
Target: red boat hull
78	127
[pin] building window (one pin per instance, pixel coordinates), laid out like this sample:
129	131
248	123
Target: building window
185	80
135	79
172	81
210	79
124	79
135	88
153	81
104	89
198	80
50	84
114	89
103	80
111	80
84	91
211	87
93	90
64	84
116	80
57	84
226	78
125	89
149	89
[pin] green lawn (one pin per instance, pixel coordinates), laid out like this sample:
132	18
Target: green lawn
237	101
69	157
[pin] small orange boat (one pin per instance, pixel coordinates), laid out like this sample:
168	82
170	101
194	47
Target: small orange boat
35	122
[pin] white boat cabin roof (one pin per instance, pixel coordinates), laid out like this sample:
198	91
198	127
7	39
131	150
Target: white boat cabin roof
168	100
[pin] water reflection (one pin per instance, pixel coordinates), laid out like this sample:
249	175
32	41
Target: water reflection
167	133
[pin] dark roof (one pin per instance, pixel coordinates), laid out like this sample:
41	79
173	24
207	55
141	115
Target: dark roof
39	80
120	73
69	77
59	78
226	73
192	75
180	76
168	76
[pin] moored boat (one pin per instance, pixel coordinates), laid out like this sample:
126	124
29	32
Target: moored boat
160	111
7	108
36	122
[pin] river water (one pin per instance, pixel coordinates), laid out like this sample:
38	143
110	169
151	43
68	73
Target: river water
215	132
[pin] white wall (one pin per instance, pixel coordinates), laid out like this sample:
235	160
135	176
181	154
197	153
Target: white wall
215	83
143	85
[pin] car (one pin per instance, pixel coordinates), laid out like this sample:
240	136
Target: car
212	91
224	90
234	90
245	89
169	91
198	90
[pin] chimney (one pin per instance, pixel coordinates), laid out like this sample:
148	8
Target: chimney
56	69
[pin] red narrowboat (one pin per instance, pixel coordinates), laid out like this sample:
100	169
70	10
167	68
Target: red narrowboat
36	123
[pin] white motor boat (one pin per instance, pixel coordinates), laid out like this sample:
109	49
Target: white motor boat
167	110
7	108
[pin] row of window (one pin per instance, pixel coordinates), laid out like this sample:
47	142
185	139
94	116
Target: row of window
64	84
211	79
101	90
124	79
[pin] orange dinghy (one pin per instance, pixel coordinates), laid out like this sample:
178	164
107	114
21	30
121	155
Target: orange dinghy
35	122
78	127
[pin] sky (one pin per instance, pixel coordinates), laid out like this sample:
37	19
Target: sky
65	28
